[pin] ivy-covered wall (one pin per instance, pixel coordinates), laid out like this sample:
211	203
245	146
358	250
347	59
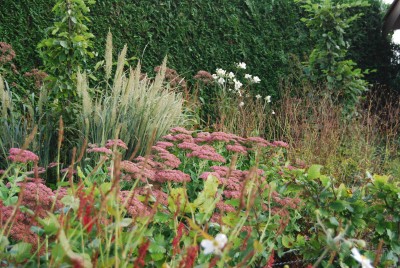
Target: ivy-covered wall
196	35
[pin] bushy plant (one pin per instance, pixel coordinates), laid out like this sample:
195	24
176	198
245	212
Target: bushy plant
328	21
156	210
230	103
131	106
66	49
337	217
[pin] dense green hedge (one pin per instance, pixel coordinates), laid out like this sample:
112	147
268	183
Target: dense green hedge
195	34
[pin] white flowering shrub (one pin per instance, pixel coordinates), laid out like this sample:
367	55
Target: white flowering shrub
231	100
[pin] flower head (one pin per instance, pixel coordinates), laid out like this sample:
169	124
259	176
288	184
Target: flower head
231	75
221	81
215	245
248	76
258	96
220	72
118	143
22	156
256	79
238	84
241	104
241	65
268	99
364	261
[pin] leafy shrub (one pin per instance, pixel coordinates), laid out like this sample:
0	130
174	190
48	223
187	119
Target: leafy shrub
328	22
229	101
163	209
66	49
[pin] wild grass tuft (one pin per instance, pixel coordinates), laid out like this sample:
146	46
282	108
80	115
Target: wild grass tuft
134	108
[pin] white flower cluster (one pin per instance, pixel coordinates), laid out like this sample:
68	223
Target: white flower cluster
231	83
253	79
215	245
364	261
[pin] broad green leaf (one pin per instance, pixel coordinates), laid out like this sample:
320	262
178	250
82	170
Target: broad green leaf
83	258
325	180
156	248
314	172
380	180
125	222
21	251
157	256
3	243
230	219
64	44
287	241
37	230
50	224
71	201
205	201
333	221
337	206
300	240
258	247
177	199
161	217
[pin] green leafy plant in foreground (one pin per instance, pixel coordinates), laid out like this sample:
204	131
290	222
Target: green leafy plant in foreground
197	199
336	217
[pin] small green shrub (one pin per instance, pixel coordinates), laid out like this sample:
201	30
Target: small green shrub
66	49
328	22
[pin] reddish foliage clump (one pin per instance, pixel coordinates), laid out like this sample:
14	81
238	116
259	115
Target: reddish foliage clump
191	255
140	262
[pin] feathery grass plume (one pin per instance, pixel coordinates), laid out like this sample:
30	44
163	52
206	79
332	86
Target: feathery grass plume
108	55
82	89
158	81
5	99
137	105
118	81
42	98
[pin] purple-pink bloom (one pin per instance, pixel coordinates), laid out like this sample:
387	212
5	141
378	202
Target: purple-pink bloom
225	207
181	130
232	194
183	137
99	150
118	143
281	144
22	156
137	170
170	160
188	146
222	136
134	207
208	153
164	144
171	175
237	148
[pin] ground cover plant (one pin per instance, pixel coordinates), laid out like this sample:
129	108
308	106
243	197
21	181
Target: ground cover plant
102	165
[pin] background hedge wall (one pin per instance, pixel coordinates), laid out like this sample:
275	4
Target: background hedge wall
200	35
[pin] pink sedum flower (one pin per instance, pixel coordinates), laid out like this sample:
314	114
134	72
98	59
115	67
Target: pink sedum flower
22	156
118	143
